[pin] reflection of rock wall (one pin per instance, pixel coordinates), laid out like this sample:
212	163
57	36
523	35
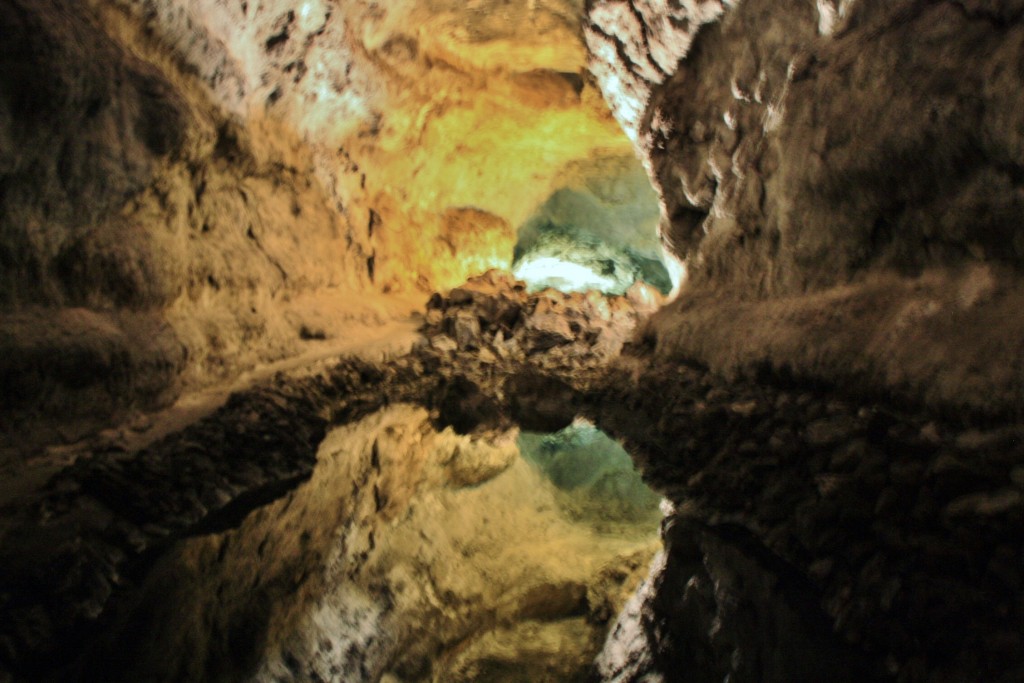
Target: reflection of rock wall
599	481
816	536
799	148
410	551
718	607
74	553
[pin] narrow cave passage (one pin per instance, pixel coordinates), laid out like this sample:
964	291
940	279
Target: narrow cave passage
597	476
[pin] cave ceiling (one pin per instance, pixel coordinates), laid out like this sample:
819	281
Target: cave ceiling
441	105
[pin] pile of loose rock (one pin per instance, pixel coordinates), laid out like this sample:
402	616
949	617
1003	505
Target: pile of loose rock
494	318
505	356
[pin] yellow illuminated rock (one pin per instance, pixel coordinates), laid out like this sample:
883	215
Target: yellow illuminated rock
218	185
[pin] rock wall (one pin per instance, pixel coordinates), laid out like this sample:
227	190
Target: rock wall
442	111
812	537
841	164
145	233
835	391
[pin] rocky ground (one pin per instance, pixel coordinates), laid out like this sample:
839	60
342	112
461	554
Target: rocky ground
812	535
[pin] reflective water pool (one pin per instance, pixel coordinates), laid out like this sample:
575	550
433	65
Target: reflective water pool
412	554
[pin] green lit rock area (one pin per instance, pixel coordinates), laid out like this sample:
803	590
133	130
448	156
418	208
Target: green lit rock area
597	231
596	478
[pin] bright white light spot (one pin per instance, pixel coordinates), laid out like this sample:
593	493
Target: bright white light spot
566	276
312	16
676	272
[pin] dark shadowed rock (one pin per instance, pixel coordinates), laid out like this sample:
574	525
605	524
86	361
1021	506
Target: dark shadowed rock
466	407
540	402
547	330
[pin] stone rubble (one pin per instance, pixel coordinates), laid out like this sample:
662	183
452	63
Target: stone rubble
493	315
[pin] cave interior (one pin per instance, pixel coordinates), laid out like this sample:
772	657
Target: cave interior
512	340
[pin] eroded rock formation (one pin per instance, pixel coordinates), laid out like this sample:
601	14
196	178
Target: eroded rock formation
146	233
839	183
839	180
817	538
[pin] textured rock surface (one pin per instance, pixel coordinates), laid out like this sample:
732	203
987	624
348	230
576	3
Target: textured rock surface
802	147
438	125
840	182
831	404
340	580
189	188
494	314
144	233
815	537
808	532
93	527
